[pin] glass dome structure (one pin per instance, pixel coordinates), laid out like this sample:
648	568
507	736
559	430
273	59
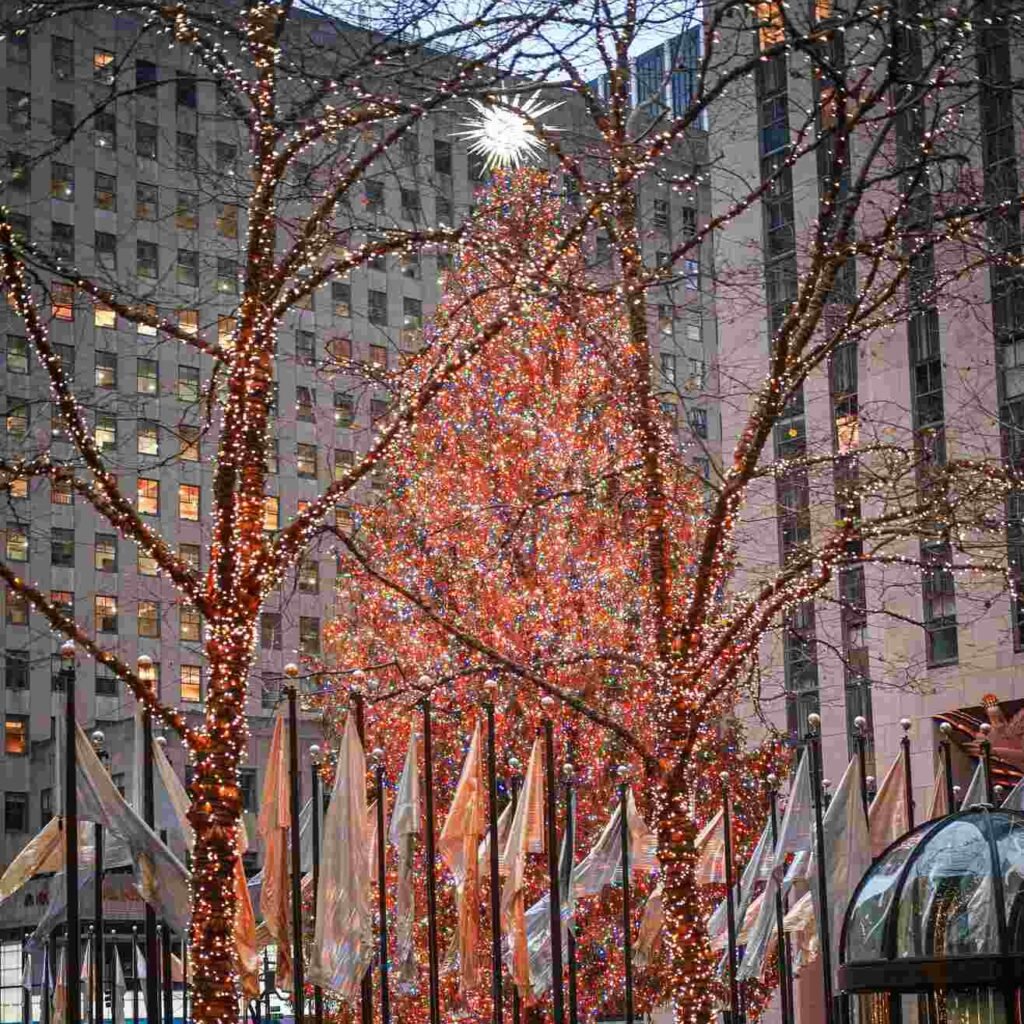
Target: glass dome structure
941	912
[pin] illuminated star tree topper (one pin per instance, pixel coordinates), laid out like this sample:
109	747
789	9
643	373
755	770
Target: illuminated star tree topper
503	130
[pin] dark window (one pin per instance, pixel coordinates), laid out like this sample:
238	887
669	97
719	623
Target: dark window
344	409
62	547
185	90
187	269
187	151
63	54
270	631
105	245
377	307
146	76
104	129
309	635
15	810
247	785
45	805
63	240
145	140
19	109
62	118
939	599
442	156
17	670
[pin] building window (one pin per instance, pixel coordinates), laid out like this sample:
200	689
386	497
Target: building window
146	564
45	805
145	140
147	376
190	553
410	204
17	670
304	404
306	461
339	350
344	409
661	214
689	225
227	220
103	316
698	420
309	635
188	384
271	512
17	417
270	631
147	260
227	276
191	684
17	546
377	307
106	432
62	548
62	181
103	66
188	502
148	499
61	492
106	613
191	625
149	619
63	601
62	54
691	274
305	348
62	118
187	152
105	247
309	576
247	785
19	110
344	459
15	804
106	552
147	74
185	89
341	298
148	438
226	155
186	216
188	437
104	130
374	196
147	201
668	367
106	369
378	410
62	301
939	598
187	268
17	354
62	241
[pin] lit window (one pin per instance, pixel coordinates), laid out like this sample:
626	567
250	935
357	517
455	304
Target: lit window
188	502
17	417
103	66
227	276
192	684
17	609
106	552
104	316
17	354
17	544
379	356
186	216
339	349
149	497
189	437
62	181
341	298
61	492
106	613
148	438
147	201
64	602
190	554
226	330
769	16
188	320
191	625
106	432
227	221
271	512
309	635
149	619
304	402
188	383
147	329
105	192
62	297
147	564
106	369
344	459
147	260
15	739
147	376
344	409
309	576
305	461
17	488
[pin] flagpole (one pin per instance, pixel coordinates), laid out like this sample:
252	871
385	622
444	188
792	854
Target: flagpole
986	760
570	946
298	984
51	947
431	859
184	979
785	992
73	955
317	812
908	782
366	985
817	770
382	891
145	666
860	725
947	763
97	961
26	993
135	974
266	984
730	901
495	893
514	784
166	968
627	910
554	896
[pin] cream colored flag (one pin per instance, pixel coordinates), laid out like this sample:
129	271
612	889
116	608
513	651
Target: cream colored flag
710	848
651	923
458	845
526	835
176	795
43	852
274	822
405	826
887	816
939	805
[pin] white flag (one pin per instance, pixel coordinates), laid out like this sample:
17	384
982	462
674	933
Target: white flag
1015	800
757	870
977	791
343	944
405	826
888	817
120	988
26	973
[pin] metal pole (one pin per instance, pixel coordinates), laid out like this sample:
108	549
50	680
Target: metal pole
318	810
570	946
149	815
517	1009
730	902
785	993
184	980
135	974
26	993
908	782
986	760
627	910
51	952
97	959
947	763
431	858
366	985
495	891
861	724
90	1007
554	895
266	985
382	893
73	953
166	972
298	987
814	748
